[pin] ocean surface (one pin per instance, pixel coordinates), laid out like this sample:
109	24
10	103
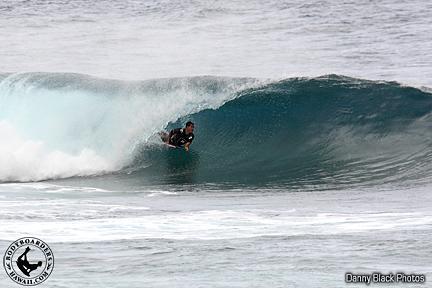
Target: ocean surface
313	141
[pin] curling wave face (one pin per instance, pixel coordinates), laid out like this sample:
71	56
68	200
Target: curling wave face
58	125
333	131
330	130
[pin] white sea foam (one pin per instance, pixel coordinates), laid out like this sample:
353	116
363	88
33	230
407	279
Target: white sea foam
63	125
27	160
212	224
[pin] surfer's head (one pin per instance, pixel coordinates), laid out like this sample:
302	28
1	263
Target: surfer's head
189	127
40	263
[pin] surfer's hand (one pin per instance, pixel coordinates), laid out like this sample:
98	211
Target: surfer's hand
186	147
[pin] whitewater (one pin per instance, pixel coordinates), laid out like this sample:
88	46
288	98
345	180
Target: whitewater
312	154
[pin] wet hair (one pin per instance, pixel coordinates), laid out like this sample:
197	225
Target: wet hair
189	123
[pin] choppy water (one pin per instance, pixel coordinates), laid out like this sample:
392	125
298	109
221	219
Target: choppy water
151	39
309	160
206	237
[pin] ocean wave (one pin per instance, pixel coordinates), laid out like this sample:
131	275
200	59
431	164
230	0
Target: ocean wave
59	125
327	131
331	130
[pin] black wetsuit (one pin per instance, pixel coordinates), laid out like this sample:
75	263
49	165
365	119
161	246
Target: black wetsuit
178	137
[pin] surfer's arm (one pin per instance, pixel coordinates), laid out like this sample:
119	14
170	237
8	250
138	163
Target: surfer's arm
186	146
168	138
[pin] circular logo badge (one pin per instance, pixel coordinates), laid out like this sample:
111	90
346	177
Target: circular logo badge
28	261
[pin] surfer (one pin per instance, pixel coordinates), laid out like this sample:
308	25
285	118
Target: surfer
24	265
179	137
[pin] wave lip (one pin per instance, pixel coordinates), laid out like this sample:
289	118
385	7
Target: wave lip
63	125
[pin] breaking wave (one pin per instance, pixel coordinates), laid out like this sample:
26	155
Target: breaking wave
330	130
